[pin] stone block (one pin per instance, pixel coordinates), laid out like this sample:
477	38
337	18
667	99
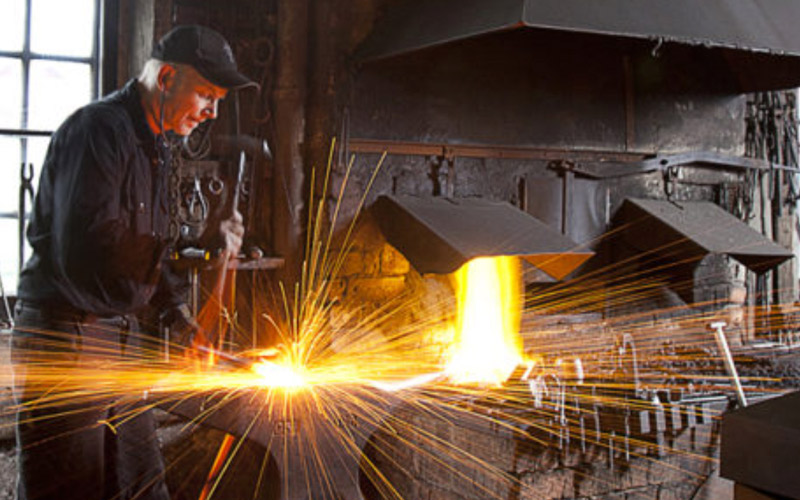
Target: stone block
716	488
337	289
367	236
378	290
592	481
359	263
667	471
393	263
677	491
738	294
548	485
635	474
640	493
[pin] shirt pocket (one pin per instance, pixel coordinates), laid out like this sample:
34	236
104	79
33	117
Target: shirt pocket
138	194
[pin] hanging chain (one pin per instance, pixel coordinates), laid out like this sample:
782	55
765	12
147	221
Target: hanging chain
790	146
174	192
771	135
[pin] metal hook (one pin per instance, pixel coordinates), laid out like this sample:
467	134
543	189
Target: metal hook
25	194
657	48
197	204
215	186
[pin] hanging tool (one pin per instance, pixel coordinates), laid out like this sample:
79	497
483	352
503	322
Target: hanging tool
727	358
25	193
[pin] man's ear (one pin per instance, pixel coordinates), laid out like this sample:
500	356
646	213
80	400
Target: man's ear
166	78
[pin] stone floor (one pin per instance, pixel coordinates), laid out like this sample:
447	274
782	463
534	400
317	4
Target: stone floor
8	470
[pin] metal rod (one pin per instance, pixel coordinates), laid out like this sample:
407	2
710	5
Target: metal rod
377	146
727	358
230	358
194	290
216	467
15	132
592	163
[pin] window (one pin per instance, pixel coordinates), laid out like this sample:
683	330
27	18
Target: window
49	61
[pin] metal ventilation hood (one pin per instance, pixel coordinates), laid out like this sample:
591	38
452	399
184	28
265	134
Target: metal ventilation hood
438	235
759	37
759	446
688	230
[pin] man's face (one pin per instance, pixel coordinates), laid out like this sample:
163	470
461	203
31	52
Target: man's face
190	100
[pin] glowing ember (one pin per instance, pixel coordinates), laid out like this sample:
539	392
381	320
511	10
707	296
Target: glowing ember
488	346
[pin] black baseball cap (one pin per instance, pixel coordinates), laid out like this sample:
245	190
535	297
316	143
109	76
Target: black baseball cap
206	51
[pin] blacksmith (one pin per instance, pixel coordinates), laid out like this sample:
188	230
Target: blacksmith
100	238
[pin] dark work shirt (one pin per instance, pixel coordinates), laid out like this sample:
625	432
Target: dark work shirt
100	222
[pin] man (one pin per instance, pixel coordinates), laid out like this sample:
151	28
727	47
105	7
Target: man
100	237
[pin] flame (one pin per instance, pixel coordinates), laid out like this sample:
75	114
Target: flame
488	346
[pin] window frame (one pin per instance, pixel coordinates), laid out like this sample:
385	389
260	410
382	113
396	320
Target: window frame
23	132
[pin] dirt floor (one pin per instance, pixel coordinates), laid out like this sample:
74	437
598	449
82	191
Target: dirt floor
8	470
8	462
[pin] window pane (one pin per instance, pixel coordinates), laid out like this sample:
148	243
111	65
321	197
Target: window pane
12	25
62	27
9	255
9	175
56	90
11	90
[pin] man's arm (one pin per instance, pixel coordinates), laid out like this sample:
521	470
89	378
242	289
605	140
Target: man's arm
102	250
173	286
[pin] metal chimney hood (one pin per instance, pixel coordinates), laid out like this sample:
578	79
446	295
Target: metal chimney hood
759	38
439	235
688	230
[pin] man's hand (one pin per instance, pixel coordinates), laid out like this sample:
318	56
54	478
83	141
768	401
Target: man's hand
232	231
184	330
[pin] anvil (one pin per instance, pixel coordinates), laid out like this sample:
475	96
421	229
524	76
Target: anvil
315	435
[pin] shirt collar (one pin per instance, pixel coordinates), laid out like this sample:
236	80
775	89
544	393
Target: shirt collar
130	98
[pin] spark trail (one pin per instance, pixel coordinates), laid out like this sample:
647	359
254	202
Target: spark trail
544	386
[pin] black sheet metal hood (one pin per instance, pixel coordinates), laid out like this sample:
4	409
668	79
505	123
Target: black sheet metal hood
688	230
762	32
759	446
438	235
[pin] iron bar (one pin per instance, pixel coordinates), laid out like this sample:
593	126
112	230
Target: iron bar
446	150
596	164
13	132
